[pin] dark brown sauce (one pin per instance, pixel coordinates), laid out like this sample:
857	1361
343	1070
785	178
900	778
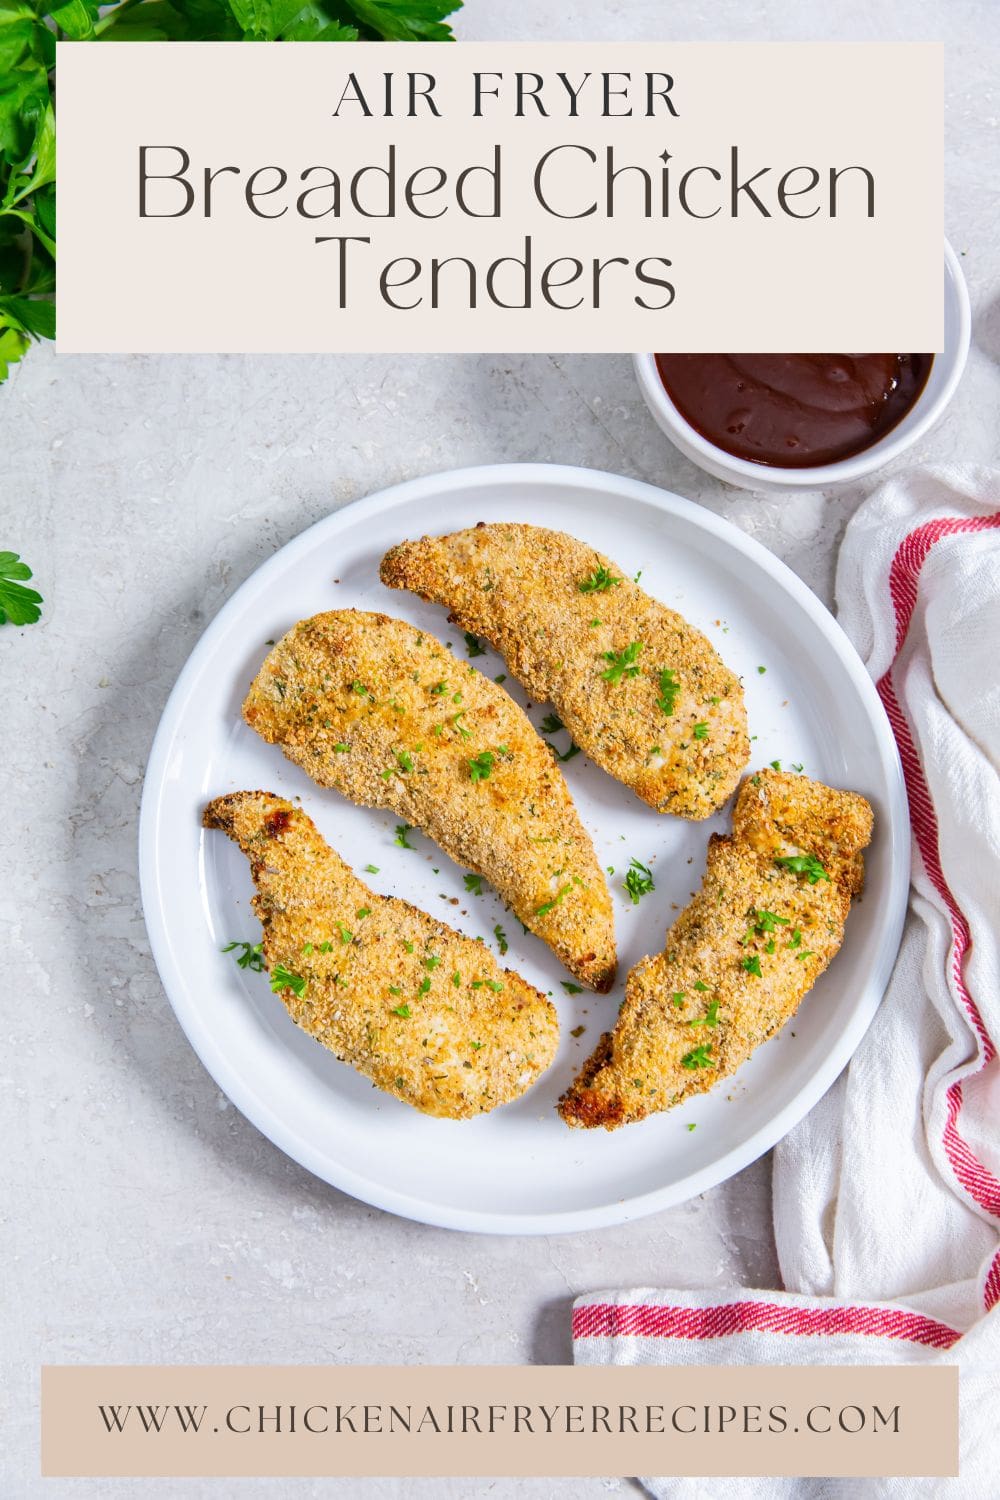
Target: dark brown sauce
793	411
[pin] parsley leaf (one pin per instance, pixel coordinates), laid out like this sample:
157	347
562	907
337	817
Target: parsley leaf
638	881
501	938
402	829
18	605
698	1057
752	965
547	906
669	688
472	645
551	724
284	979
481	766
570	987
250	957
473	884
599	581
622	662
803	864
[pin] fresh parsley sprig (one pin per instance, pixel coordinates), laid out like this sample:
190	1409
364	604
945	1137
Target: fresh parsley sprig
29	30
18	605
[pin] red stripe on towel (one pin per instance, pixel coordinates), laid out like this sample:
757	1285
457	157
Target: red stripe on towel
611	1320
904	576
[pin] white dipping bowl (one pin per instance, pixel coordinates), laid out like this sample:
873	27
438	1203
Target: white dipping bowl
945	373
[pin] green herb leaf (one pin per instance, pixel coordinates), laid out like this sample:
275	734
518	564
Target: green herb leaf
250	955
18	605
547	906
698	1057
402	829
474	884
622	662
599	581
472	645
638	881
803	864
570	987
284	979
752	965
501	938
403	1011
669	689
551	724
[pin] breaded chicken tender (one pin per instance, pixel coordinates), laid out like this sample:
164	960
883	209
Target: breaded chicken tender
386	714
426	1014
768	919
644	693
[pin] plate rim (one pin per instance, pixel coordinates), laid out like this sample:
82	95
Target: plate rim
242	1092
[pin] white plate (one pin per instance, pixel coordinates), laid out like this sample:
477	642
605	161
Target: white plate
518	1170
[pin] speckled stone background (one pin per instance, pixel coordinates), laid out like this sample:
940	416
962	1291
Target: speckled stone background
145	1219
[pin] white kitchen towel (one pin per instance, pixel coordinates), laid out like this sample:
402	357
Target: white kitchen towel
887	1196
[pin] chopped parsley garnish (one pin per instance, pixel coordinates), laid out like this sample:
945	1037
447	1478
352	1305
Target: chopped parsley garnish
700	731
472	645
775	765
431	961
402	829
768	921
806	953
678	998
407	946
574	749
362	912
481	766
476	1046
700	985
752	965
456	724
346	935
710	1018
402	1010
371	869
669	688
762	670
474	884
404	760
425	985
439	688
547	906
456	979
623	663
394	989
359	687
692	1126
599	581
803	864
551	724
698	1057
796	938
249	957
638	881
284	979
341	748
570	987
501	938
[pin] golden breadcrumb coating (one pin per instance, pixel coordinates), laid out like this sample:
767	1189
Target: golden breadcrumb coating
386	714
644	693
426	1014
739	958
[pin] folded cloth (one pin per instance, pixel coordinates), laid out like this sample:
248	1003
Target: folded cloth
887	1196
